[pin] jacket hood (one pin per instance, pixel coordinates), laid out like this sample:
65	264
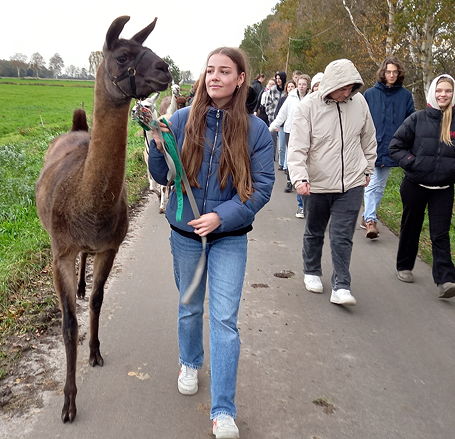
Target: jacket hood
431	96
283	77
316	78
338	74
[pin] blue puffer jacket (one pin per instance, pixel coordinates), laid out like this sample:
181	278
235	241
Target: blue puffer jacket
389	107
234	214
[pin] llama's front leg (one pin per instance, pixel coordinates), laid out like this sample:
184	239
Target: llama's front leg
163	198
102	266
81	282
65	284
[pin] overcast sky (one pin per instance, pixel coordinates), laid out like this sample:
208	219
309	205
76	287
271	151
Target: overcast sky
186	30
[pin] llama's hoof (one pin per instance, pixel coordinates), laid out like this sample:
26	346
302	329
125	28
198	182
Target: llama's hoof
69	411
96	359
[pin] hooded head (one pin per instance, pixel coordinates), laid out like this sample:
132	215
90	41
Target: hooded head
282	76
338	74
316	79
431	96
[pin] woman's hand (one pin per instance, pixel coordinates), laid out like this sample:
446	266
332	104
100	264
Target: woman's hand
205	223
157	136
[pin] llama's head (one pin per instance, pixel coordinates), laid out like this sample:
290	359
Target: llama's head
133	71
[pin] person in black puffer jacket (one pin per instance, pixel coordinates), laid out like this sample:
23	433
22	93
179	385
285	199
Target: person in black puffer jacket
424	146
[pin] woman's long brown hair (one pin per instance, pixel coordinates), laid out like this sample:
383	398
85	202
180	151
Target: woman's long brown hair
446	115
235	158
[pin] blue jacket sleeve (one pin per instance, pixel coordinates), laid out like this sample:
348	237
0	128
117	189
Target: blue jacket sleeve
234	213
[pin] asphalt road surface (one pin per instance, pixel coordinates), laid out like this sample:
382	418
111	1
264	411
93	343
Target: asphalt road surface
384	369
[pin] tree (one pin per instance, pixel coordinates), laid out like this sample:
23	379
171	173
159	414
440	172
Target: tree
37	63
94	60
173	69
56	65
186	76
71	71
19	61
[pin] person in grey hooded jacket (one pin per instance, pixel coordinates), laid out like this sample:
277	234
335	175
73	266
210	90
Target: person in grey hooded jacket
331	154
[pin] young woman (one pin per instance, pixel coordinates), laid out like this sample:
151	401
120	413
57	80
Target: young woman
228	158
290	85
424	146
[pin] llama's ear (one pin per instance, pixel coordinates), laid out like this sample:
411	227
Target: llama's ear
141	36
114	30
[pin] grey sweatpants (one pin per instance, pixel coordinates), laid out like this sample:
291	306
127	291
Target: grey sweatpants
342	209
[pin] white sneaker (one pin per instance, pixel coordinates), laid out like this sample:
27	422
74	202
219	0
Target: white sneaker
342	297
187	382
300	213
313	283
224	427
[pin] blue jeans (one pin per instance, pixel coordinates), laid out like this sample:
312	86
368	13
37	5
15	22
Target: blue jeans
342	210
225	270
282	146
374	192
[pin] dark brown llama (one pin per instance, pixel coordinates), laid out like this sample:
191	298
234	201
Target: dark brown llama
80	194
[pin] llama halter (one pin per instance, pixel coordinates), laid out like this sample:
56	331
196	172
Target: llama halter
176	173
131	74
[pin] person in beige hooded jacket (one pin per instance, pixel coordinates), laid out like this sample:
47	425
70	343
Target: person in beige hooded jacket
331	154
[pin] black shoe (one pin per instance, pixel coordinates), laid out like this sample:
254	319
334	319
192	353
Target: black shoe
288	187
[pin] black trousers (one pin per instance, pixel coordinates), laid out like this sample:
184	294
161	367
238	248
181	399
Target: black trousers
415	199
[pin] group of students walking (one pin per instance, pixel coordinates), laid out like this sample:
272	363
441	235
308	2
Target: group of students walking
337	142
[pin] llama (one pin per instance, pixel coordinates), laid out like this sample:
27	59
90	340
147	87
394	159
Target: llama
167	108
80	194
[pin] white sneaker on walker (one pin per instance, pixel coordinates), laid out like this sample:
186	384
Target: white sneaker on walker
313	283
342	297
187	382
224	427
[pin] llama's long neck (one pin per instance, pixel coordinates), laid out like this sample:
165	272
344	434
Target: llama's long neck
173	105
104	169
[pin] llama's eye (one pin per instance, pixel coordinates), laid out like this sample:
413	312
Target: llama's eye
122	59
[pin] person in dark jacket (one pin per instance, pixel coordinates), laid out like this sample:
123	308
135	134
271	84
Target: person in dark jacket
257	84
390	104
424	146
231	178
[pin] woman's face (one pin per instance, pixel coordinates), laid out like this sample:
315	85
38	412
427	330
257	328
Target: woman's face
271	83
302	85
278	81
290	87
444	94
222	78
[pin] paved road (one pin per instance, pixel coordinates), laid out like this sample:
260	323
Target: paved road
309	369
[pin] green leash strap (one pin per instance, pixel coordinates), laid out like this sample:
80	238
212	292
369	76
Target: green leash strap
176	173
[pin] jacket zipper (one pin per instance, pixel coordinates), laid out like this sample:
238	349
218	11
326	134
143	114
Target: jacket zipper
342	148
210	162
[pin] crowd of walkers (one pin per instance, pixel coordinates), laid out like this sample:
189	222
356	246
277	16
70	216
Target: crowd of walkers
336	147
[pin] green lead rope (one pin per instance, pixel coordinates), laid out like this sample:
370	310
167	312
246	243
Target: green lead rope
171	148
176	173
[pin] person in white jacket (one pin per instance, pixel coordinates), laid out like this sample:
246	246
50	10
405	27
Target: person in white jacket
331	154
284	119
